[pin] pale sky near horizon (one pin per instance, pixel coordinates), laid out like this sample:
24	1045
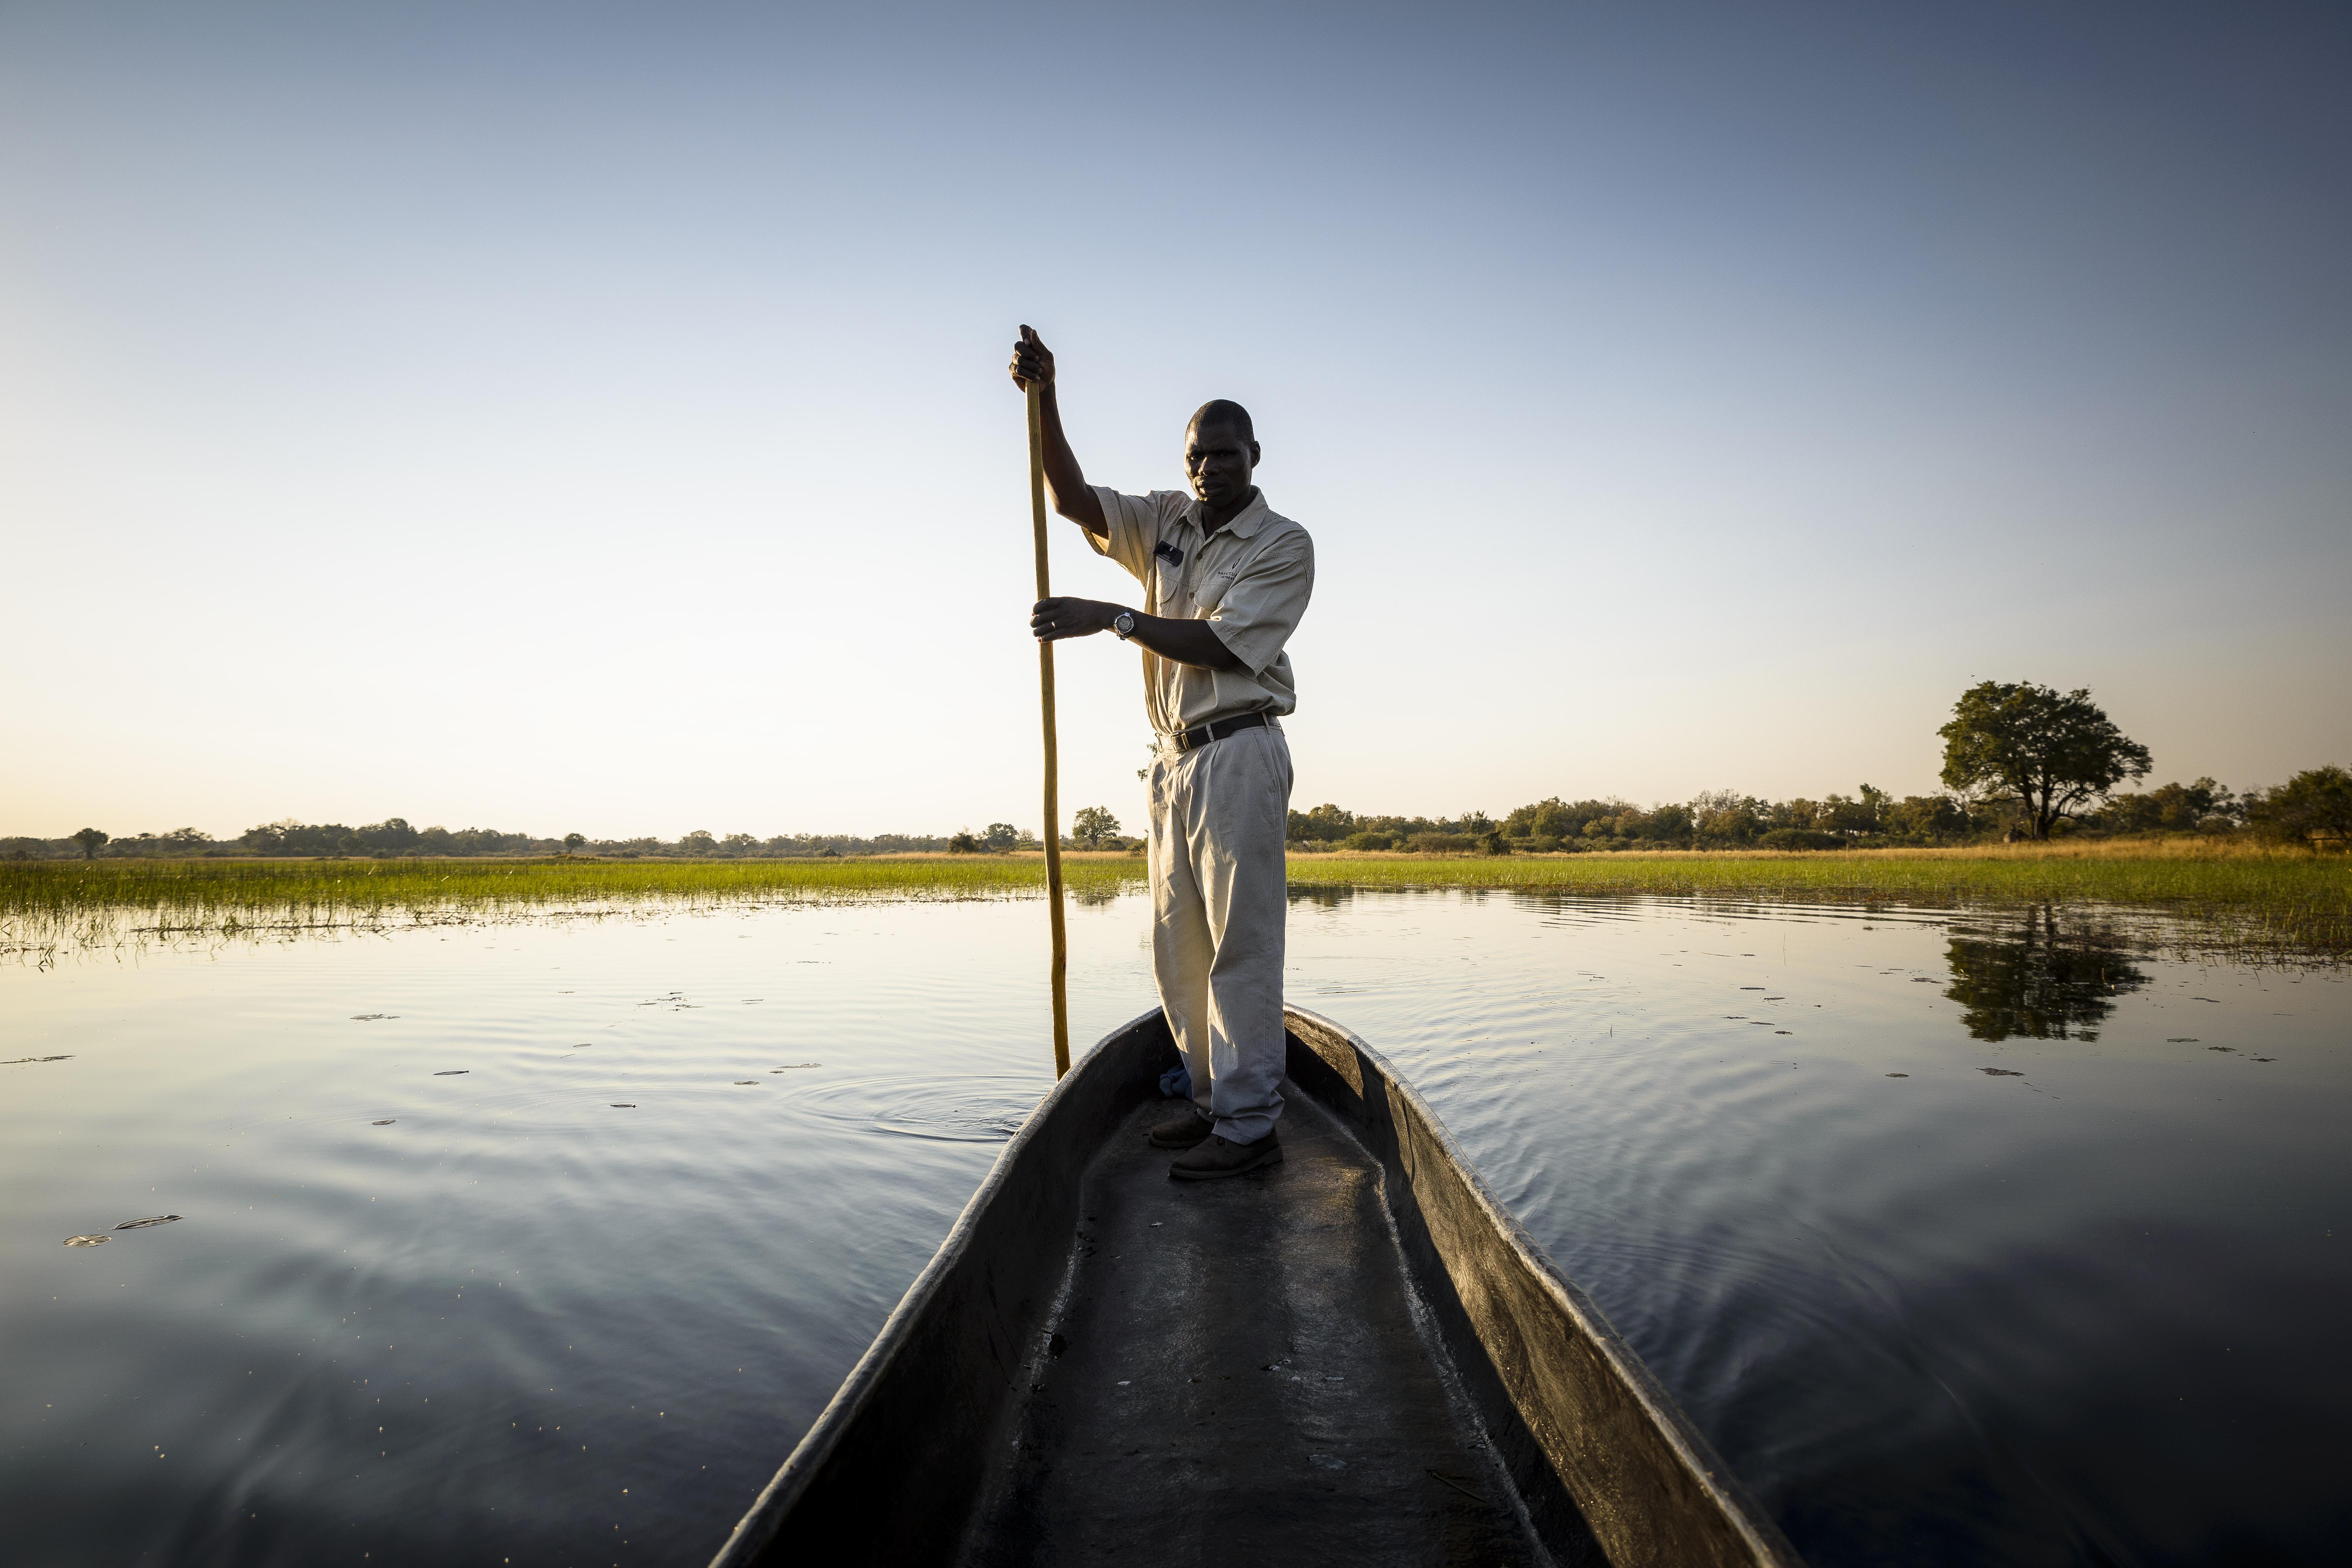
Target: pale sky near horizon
594	417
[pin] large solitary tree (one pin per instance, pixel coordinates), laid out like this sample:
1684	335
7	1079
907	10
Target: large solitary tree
2048	752
1092	825
90	838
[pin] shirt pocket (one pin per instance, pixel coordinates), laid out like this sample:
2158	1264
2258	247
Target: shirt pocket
1211	594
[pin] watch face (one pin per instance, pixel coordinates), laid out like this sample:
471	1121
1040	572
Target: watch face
1123	624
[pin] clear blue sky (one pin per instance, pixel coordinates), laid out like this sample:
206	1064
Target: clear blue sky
573	417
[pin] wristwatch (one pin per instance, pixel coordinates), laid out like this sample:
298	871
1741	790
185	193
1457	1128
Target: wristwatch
1123	624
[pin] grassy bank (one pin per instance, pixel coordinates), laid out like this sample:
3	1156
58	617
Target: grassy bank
46	906
227	885
2240	897
2243	896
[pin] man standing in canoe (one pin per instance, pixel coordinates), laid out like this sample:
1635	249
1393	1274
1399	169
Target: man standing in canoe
1225	580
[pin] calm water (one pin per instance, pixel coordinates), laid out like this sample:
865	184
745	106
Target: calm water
1968	1238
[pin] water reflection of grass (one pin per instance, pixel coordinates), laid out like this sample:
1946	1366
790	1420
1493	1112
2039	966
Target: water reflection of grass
2237	897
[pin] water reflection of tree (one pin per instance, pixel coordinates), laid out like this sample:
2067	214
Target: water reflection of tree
2038	980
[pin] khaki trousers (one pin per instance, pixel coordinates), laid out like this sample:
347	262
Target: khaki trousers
1218	905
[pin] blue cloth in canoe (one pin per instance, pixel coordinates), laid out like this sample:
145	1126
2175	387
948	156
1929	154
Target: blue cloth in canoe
1176	1083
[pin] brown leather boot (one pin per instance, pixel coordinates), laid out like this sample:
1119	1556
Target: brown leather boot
1181	1132
1218	1158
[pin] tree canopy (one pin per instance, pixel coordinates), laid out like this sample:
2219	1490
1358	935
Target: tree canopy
2047	751
2314	806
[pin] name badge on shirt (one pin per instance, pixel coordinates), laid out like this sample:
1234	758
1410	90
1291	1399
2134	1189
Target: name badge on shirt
1169	553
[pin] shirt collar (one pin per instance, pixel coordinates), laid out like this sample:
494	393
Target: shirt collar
1245	523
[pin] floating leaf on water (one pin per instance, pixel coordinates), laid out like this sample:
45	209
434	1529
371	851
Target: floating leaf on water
2262	1058
747	1083
2182	1040
386	1123
1922	980
151	1219
2215	1000
2000	1072
1783	1031
623	1104
16	1061
368	1017
452	1072
1898	1075
2220	1048
85	1241
795	1067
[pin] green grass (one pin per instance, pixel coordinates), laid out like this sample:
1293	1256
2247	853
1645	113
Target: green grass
45	906
2234	897
393	884
2230	896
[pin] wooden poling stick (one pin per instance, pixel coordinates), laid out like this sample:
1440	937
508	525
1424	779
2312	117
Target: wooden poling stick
1053	832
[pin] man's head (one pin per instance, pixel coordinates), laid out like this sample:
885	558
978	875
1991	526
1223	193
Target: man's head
1220	450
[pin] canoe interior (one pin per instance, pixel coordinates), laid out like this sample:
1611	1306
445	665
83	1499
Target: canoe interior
1241	1362
1356	1355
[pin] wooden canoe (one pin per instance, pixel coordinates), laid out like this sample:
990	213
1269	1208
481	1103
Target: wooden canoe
1356	1356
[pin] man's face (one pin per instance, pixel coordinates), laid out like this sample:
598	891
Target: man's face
1218	462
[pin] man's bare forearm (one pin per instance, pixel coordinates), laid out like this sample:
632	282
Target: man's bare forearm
1181	641
1066	482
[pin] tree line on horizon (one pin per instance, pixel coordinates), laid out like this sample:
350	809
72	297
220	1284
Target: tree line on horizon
1727	820
395	838
2316	804
2021	761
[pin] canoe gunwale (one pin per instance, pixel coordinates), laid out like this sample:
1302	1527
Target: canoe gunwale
759	1526
1438	1271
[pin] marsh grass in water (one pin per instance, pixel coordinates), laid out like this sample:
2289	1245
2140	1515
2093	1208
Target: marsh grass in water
2250	901
48	907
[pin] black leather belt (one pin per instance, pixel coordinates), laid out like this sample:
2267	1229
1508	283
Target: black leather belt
1216	729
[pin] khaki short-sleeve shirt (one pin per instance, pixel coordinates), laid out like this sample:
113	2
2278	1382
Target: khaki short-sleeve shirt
1250	581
